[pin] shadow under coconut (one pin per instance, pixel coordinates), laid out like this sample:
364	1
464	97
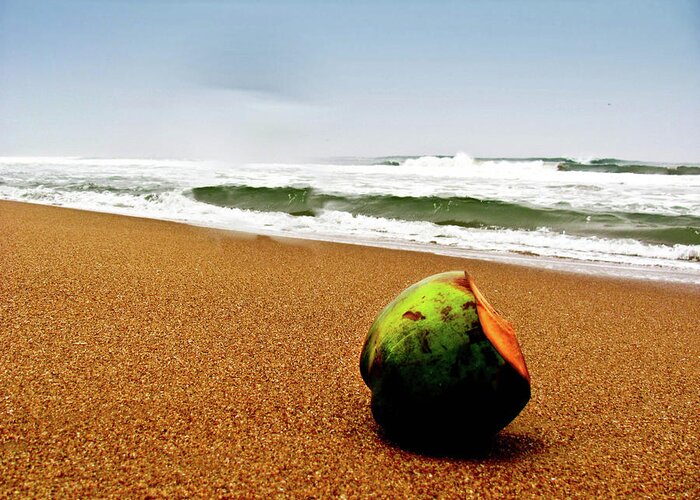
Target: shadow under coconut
504	446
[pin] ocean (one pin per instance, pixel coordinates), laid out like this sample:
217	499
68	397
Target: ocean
605	215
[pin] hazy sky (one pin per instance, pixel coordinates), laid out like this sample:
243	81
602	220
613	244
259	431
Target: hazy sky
309	79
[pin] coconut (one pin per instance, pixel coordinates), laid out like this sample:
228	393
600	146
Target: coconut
443	365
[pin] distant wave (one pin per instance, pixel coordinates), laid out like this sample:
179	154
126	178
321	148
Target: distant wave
614	166
458	211
595	165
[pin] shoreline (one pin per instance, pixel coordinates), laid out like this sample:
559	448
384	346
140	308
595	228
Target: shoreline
595	268
658	273
147	357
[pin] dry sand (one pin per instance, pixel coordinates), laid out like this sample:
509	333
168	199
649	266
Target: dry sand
143	357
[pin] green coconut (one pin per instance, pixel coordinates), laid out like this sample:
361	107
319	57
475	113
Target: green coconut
442	364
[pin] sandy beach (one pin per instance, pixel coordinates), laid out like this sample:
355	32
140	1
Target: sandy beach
142	357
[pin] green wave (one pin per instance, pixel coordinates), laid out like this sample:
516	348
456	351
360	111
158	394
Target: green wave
613	166
459	211
294	201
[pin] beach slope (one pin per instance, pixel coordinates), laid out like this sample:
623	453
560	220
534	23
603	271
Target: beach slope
142	357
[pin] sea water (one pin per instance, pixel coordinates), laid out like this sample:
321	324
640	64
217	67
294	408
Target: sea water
605	216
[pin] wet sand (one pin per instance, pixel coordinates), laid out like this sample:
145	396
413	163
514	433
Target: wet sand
143	357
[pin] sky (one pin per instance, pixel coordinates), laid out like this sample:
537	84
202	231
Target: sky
299	80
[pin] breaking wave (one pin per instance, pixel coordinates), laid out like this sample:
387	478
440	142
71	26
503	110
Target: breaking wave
458	211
